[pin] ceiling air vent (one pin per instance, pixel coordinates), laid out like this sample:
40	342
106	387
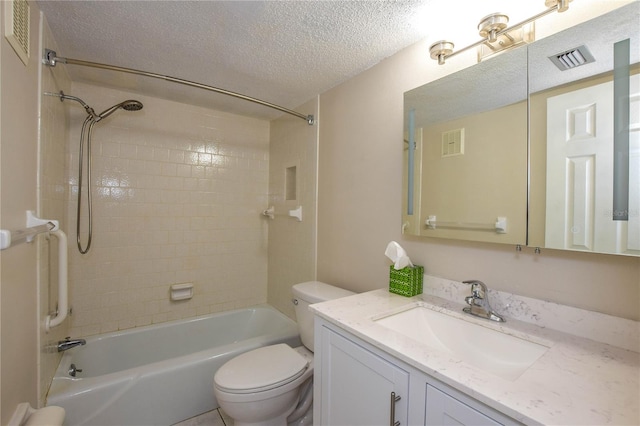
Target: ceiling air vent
572	58
16	14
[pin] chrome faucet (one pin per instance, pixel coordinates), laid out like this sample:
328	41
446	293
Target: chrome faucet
67	344
479	302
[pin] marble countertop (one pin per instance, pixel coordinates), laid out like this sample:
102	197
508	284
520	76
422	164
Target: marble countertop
577	381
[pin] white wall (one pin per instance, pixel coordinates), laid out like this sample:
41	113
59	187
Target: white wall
360	175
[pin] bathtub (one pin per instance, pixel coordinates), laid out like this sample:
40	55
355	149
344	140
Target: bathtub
160	374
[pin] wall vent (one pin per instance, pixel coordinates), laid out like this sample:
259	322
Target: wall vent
453	142
572	58
17	19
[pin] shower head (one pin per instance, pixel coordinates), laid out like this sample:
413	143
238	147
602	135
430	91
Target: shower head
128	105
132	105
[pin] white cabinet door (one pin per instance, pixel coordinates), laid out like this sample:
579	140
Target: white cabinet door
357	385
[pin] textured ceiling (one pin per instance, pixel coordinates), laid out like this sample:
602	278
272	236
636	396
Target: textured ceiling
284	52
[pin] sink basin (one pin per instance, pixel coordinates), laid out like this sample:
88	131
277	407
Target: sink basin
493	351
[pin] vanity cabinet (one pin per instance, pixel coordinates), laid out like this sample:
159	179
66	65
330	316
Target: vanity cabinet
358	386
354	382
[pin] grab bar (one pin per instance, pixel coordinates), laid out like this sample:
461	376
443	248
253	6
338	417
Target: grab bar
499	227
34	227
63	304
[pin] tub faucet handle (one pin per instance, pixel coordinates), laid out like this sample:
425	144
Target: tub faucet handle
73	370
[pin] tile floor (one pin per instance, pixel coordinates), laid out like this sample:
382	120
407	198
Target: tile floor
211	418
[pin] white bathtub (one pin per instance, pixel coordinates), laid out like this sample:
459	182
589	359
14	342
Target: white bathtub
160	374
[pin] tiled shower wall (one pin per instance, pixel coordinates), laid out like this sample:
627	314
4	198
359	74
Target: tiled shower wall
178	192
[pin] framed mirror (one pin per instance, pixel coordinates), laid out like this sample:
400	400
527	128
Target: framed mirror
554	153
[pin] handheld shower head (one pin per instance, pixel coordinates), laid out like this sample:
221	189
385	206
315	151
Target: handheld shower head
128	105
132	105
91	119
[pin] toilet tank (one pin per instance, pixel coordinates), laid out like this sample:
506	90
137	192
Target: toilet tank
304	294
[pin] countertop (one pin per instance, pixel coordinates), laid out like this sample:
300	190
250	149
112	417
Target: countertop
577	381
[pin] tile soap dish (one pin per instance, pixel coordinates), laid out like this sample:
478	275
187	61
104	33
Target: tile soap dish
182	291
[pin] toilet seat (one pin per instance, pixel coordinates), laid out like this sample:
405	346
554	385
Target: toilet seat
261	369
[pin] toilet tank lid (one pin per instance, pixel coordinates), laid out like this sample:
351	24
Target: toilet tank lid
317	291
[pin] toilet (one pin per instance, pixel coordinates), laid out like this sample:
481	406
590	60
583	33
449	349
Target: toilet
273	385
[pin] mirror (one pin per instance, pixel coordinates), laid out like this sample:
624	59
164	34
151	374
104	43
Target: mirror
458	183
469	137
585	138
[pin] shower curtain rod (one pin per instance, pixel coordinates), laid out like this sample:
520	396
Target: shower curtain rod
51	58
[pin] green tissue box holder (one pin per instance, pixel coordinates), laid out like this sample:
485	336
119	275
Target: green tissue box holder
406	281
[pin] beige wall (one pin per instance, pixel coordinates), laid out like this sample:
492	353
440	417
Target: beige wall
177	198
52	196
487	181
292	244
24	147
18	174
359	197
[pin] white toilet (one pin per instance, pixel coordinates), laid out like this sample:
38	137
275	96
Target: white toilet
273	385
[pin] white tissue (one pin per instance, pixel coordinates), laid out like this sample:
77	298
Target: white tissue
397	255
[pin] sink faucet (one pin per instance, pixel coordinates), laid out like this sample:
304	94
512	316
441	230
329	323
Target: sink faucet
479	302
67	344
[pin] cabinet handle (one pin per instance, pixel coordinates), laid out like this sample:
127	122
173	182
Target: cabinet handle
392	419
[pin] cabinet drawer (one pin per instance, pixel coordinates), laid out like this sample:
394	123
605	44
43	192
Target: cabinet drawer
443	409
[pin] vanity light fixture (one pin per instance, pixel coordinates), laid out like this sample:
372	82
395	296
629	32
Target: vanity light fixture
562	5
490	28
440	50
491	25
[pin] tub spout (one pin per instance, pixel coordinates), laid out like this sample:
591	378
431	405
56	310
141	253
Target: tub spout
67	343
